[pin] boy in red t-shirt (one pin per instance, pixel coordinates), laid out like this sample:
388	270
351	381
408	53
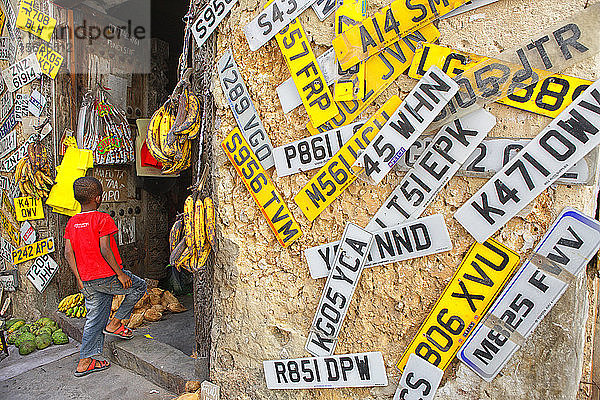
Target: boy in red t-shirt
92	254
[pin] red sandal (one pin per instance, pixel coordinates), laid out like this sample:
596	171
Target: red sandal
122	332
95	365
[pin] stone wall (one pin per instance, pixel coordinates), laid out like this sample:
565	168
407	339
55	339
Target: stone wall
265	299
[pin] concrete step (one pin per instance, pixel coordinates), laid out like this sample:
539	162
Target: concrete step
156	361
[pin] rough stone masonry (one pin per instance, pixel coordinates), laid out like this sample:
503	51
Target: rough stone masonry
265	298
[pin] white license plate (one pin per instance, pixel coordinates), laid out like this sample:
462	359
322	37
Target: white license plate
431	172
8	143
287	92
419	381
342	281
494	153
22	73
468	6
408	122
340	370
565	141
28	234
41	272
324	8
8	125
405	241
209	18
6	249
569	244
21	106
243	110
272	19
6	103
313	151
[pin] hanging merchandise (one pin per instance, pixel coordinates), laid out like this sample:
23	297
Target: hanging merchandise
103	128
33	173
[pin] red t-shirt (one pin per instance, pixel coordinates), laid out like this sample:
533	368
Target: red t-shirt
84	230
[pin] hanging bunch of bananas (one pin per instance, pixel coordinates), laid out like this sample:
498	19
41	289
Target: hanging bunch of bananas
193	234
173	126
33	172
73	306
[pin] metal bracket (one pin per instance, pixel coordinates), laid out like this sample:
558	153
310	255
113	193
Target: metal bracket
552	267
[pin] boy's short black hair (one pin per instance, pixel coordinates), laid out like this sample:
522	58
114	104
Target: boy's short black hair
86	189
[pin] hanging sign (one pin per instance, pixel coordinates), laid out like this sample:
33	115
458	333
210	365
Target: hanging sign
335	176
8	143
309	80
382	71
419	381
386	27
287	92
349	263
418	238
409	121
494	153
559	258
243	110
9	229
312	152
28	208
21	106
28	234
50	61
41	272
439	162
9	280
478	280
566	140
209	18
33	250
22	73
340	370
273	19
260	186
36	22
549	96
37	102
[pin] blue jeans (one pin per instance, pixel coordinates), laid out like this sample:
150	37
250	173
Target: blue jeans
98	299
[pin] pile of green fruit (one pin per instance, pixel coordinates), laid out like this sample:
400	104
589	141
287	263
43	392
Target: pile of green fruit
38	335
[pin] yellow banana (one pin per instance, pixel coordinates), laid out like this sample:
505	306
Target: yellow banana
203	256
153	136
199	233
175	234
188	221
209	212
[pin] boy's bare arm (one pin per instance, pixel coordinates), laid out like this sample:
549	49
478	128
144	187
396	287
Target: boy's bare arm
70	256
109	256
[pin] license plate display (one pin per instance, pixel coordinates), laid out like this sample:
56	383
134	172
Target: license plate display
342	281
272	19
28	208
265	194
36	22
381	71
409	121
6	249
568	246
287	92
419	380
11	162
478	280
10	229
324	8
7	48
33	250
209	17
309	80
431	172
387	26
243	110
6	103
8	143
8	125
22	73
41	272
549	96
565	141
418	238
312	152
335	176
50	61
337	371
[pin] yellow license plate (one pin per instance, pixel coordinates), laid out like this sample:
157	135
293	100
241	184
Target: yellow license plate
50	61
33	250
2	20
28	208
381	70
265	194
478	280
351	83
549	97
8	205
309	80
11	231
335	176
35	22
386	27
